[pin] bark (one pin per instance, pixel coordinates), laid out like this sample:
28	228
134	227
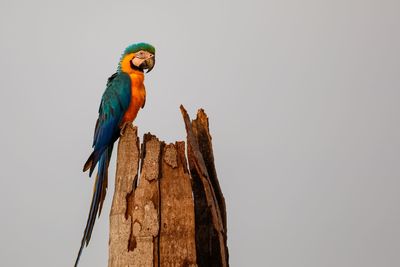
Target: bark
173	213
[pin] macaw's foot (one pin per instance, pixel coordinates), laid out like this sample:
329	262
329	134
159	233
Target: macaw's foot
123	127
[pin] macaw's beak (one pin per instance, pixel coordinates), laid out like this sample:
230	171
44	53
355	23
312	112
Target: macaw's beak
149	63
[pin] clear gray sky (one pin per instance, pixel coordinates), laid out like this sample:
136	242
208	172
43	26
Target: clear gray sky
303	99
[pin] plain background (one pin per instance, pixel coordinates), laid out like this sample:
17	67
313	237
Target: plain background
303	99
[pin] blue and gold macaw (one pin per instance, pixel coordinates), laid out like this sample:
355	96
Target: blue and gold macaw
124	96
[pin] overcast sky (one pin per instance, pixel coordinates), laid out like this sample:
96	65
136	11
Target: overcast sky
303	99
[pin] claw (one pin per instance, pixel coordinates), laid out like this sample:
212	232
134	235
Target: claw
123	128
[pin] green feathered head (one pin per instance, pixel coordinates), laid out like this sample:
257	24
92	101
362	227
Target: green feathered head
136	57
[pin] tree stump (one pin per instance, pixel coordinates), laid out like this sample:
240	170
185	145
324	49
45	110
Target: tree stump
168	210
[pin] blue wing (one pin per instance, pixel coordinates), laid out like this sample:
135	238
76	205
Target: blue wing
114	103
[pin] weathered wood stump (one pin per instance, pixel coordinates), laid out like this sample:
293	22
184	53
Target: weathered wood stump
168	210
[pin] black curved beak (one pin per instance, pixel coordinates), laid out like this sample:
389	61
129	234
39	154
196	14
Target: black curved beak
149	63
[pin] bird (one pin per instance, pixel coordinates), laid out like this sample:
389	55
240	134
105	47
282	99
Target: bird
122	99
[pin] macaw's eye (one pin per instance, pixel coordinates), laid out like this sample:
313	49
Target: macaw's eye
140	54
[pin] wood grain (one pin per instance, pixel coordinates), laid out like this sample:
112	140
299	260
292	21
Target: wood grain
120	220
177	236
210	232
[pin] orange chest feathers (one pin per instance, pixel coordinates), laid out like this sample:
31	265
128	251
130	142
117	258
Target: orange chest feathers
138	97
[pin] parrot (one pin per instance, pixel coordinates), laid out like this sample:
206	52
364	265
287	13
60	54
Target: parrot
122	99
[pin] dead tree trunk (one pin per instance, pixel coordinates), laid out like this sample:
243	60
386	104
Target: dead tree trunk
173	213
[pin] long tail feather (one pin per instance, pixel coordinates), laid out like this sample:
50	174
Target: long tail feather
90	164
99	193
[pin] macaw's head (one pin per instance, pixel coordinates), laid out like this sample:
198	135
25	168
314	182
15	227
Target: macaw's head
137	57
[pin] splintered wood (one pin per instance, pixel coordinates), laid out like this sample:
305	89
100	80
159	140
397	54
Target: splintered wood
173	213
